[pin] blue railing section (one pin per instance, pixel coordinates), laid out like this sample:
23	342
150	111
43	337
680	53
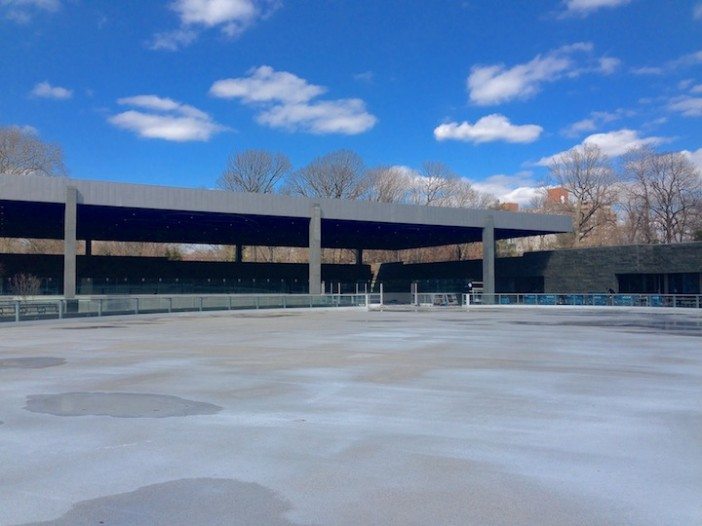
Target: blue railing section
693	301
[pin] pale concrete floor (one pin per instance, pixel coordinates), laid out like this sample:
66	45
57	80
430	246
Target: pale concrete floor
521	416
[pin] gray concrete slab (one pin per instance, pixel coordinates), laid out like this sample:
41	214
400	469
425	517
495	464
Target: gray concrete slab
493	416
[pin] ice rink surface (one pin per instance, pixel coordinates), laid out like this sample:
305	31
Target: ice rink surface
543	416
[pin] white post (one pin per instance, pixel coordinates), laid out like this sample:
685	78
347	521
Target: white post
381	294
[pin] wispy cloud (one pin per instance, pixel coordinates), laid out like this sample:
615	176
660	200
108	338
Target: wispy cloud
289	102
22	11
687	106
595	120
232	17
583	8
497	83
490	128
365	76
690	59
697	12
45	90
164	118
612	144
173	40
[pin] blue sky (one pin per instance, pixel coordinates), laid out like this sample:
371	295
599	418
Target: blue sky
161	91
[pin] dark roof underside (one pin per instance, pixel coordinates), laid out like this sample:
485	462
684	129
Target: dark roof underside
45	221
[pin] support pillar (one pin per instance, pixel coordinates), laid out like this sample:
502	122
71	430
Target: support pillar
70	219
315	250
489	261
358	253
88	247
238	253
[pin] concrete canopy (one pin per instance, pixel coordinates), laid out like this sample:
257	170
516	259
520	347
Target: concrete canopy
33	206
61	208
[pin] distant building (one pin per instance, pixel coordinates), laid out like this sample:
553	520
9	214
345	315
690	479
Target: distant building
558	195
509	207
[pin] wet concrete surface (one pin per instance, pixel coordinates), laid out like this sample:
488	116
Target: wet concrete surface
212	502
33	362
489	417
120	405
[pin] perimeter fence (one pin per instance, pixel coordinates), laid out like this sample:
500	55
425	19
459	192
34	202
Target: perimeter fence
691	301
50	309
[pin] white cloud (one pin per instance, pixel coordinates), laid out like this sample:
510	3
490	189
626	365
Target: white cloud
696	89
345	116
688	106
21	11
233	17
287	101
585	7
697	12
45	90
490	128
264	84
495	84
612	144
695	157
520	188
165	119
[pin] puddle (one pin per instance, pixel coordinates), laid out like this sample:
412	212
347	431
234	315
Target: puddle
119	405
34	362
185	502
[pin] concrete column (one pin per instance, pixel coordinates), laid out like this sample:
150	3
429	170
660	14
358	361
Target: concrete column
489	260
315	250
70	219
88	247
239	253
358	253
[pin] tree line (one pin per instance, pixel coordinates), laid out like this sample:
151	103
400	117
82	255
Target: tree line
643	197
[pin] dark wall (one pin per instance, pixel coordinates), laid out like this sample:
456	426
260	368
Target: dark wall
115	274
575	270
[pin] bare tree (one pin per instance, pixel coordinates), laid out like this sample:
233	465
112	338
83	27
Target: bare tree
672	193
338	175
633	198
587	175
23	153
432	186
388	184
256	171
25	285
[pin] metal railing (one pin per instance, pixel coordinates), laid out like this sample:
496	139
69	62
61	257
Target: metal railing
690	301
50	309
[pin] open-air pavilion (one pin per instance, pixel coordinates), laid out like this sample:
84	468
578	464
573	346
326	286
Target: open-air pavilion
71	210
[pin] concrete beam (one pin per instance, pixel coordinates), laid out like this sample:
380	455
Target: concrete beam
315	250
489	260
69	242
